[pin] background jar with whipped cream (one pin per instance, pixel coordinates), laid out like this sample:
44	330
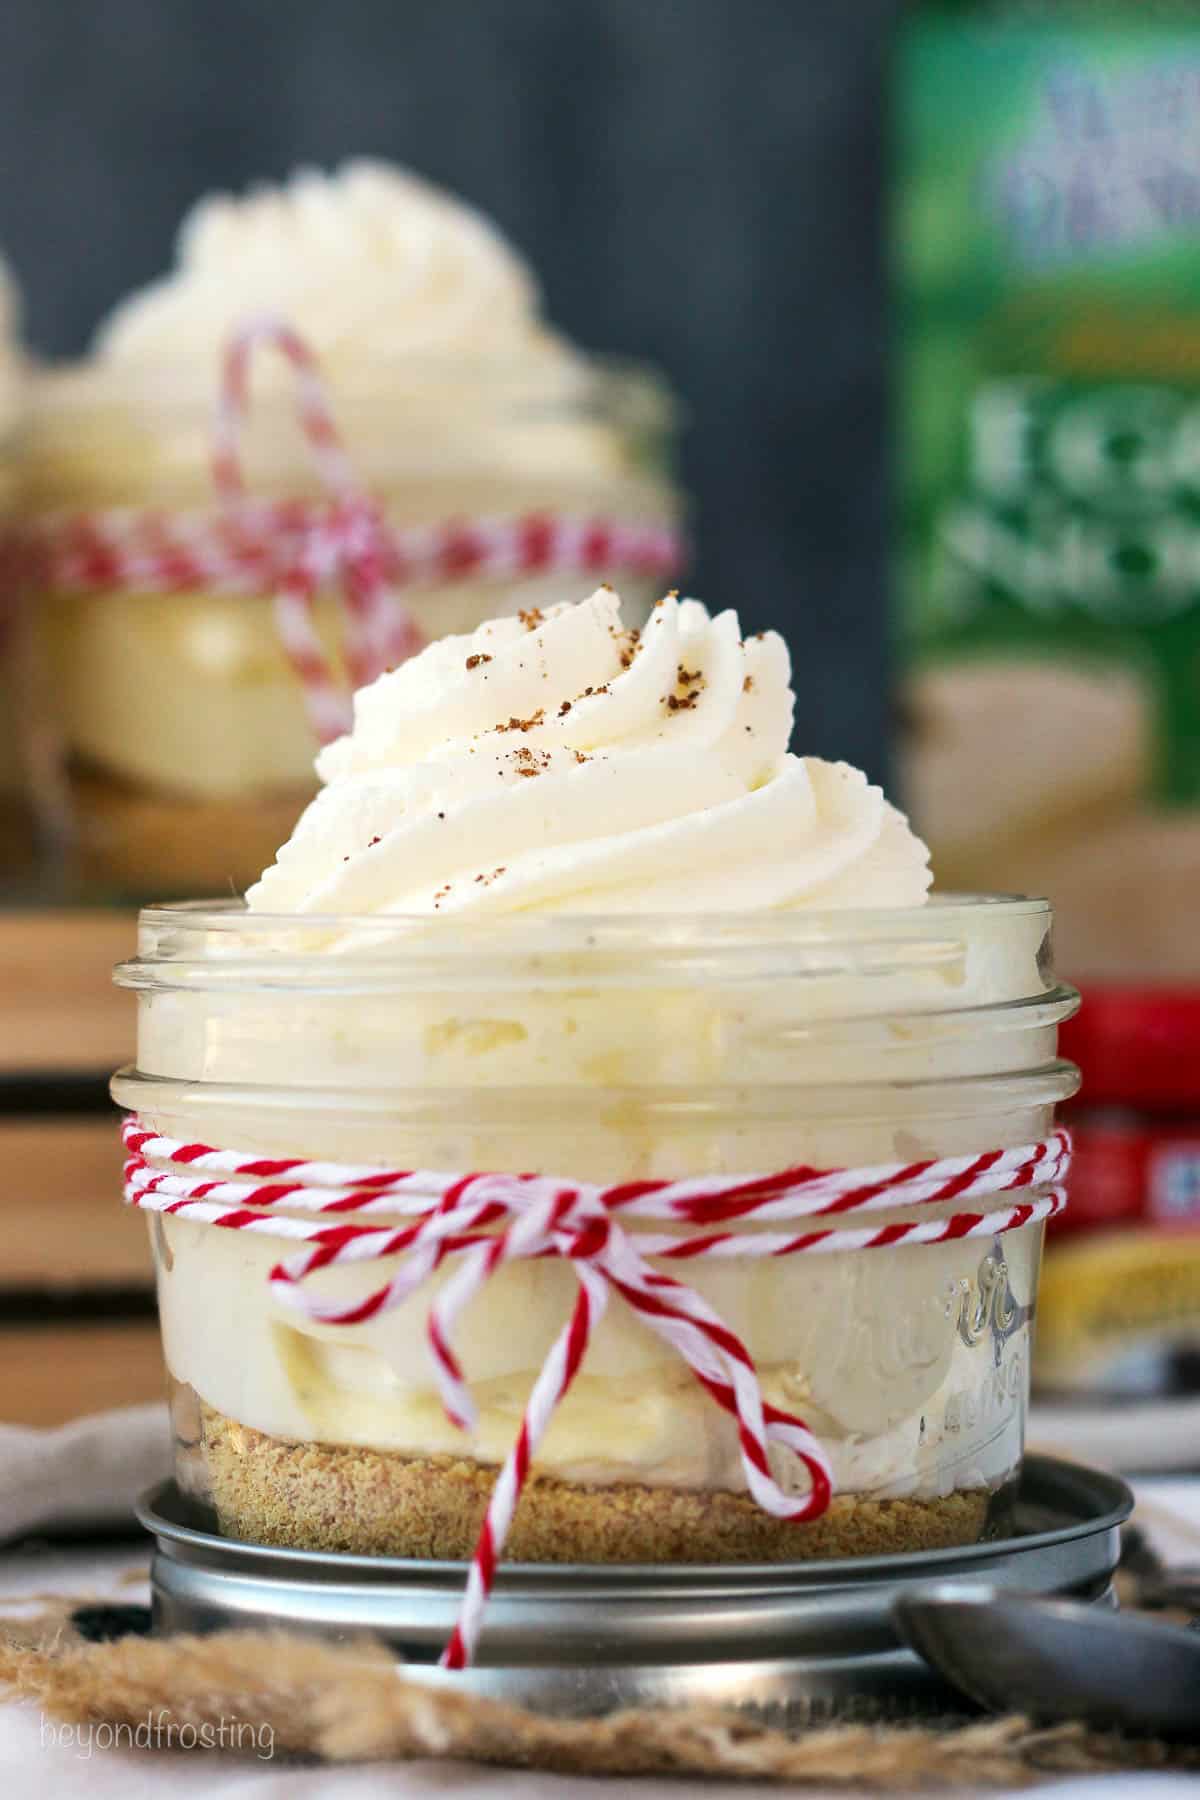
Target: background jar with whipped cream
825	1038
17	731
182	726
16	812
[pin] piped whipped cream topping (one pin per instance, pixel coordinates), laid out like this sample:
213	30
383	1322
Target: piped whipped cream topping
564	762
366	262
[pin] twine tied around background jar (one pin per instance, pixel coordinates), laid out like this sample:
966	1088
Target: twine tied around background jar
294	548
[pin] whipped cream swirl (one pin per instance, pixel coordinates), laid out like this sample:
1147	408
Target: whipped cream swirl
561	761
367	262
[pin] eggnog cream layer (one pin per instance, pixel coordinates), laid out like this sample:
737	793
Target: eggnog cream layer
567	902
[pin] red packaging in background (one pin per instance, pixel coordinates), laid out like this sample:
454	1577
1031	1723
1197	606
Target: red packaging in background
1120	1298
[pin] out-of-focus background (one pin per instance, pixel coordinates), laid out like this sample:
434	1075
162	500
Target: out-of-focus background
694	184
920	290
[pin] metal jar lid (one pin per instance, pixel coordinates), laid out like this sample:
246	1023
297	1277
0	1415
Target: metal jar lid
782	1640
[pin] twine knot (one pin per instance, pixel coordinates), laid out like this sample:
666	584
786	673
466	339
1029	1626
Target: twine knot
484	1220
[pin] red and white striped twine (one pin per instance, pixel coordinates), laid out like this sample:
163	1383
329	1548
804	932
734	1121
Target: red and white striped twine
293	549
490	1219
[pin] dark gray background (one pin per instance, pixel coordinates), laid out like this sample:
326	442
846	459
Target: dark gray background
697	181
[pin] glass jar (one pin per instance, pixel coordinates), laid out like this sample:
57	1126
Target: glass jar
602	1050
185	742
17	836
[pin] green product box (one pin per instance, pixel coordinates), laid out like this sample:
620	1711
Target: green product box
1046	257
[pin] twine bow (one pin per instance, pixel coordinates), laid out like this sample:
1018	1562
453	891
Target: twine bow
293	548
490	1219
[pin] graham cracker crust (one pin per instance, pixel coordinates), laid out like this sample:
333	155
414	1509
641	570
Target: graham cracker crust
379	1502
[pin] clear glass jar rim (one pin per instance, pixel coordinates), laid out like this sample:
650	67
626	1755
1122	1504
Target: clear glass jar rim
776	925
624	387
224	936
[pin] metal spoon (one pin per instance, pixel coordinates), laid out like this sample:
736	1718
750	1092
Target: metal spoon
1057	1659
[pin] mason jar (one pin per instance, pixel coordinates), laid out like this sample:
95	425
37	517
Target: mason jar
18	727
184	739
602	1050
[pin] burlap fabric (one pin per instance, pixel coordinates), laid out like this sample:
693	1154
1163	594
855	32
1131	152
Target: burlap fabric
347	1704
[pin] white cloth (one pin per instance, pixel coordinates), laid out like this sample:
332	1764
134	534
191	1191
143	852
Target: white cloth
89	1472
39	1761
1142	1437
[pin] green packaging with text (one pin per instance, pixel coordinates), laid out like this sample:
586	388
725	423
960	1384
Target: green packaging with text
1046	248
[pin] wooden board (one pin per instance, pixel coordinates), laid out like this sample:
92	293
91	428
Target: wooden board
62	1221
59	1011
76	1332
52	1373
